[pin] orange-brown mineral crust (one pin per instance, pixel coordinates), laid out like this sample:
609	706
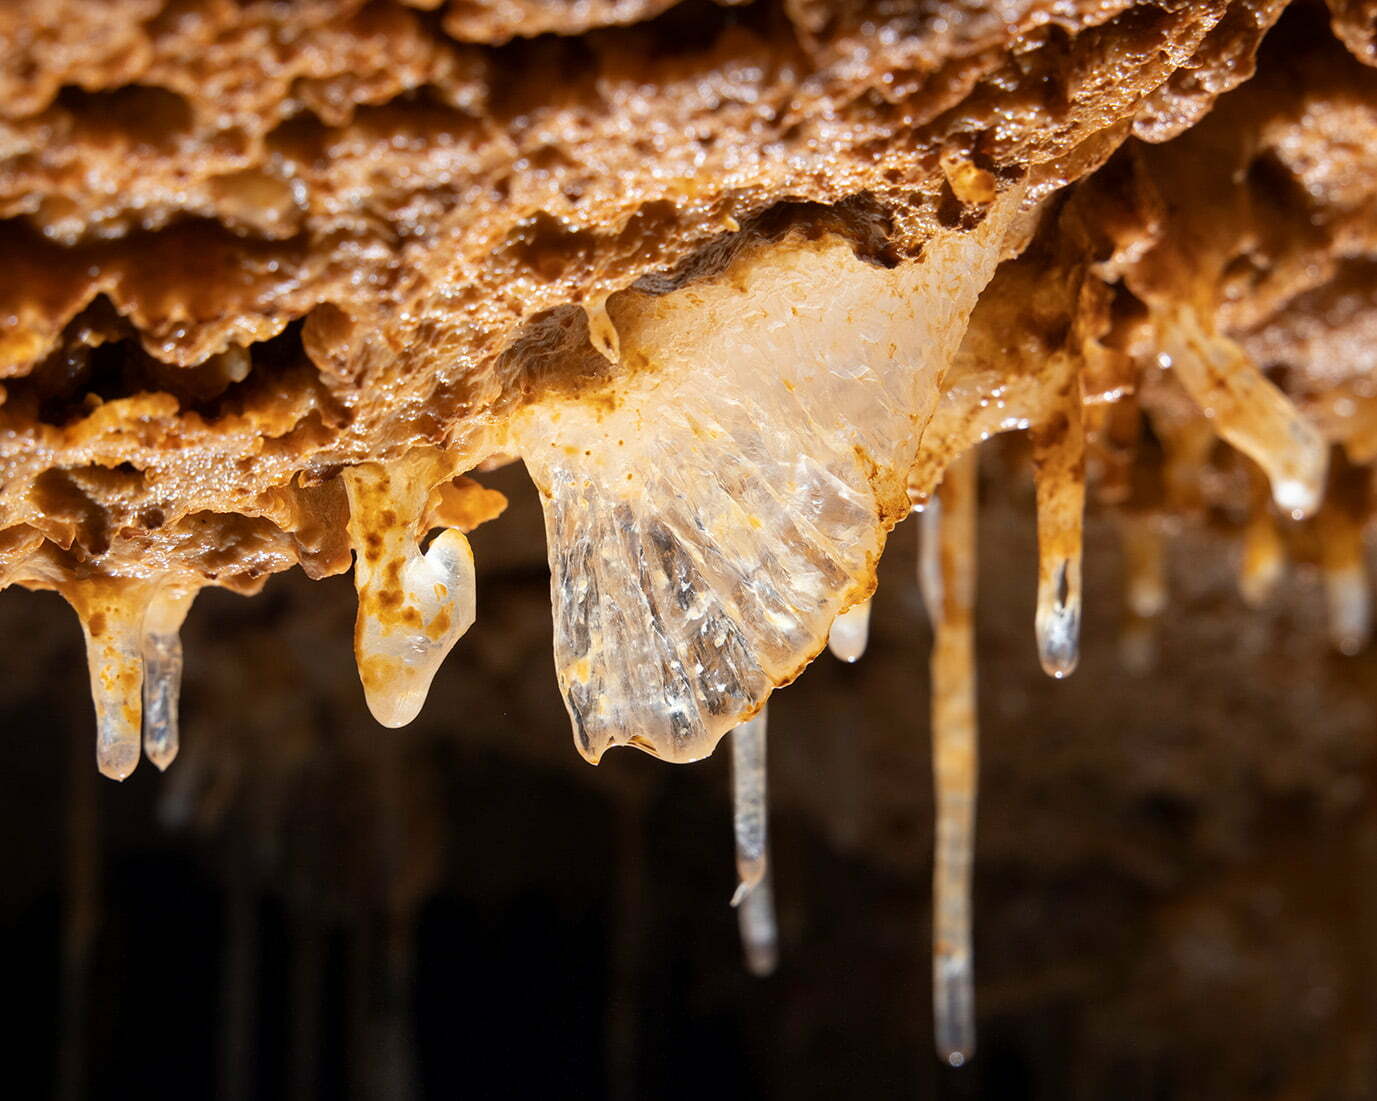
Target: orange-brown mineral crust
247	244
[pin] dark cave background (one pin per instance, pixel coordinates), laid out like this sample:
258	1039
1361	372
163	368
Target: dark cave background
1176	883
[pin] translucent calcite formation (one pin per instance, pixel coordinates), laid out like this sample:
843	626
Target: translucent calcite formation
710	519
162	672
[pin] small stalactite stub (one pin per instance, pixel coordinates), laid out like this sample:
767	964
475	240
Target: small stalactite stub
751	827
413	607
948	574
1145	589
850	632
1343	561
162	672
1264	553
111	610
1059	472
602	331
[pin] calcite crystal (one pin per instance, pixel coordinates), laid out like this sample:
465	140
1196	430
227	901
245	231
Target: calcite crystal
710	518
739	284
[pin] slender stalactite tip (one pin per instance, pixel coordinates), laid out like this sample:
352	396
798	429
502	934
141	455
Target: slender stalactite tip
1264	558
1343	563
1145	591
955	1014
1349	605
162	673
754	897
850	633
1058	623
750	804
759	929
1059	475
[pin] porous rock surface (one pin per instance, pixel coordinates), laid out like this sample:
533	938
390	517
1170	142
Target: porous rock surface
248	243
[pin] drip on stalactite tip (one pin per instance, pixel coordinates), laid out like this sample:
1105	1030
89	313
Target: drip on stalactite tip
954	1010
117	756
1298	497
1058	621
850	632
1059	478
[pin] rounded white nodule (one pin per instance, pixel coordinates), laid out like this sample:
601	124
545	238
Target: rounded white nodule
850	633
399	655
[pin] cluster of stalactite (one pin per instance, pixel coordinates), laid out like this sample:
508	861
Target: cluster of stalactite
722	462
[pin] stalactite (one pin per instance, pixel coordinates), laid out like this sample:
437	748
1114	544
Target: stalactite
1245	408
161	651
602	331
111	611
751	826
1145	589
948	573
1145	573
1348	597
1343	561
1264	555
1186	445
413	607
850	632
750	804
1059	466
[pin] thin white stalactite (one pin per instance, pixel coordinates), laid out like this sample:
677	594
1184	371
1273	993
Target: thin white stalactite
754	897
948	572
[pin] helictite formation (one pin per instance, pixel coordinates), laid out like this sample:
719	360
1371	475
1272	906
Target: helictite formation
741	286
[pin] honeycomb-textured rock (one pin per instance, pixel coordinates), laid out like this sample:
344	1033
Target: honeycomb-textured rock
250	242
